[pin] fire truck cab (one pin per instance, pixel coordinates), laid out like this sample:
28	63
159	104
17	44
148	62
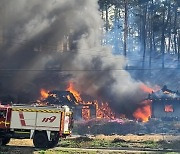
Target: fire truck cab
44	124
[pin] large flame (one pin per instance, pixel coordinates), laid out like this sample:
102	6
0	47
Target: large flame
74	92
44	93
143	113
102	109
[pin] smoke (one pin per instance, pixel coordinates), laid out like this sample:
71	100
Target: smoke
47	43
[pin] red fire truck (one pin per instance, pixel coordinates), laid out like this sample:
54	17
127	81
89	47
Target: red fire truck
44	124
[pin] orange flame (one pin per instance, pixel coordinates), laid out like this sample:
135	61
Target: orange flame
168	108
86	113
68	97
143	113
74	92
44	93
146	88
102	111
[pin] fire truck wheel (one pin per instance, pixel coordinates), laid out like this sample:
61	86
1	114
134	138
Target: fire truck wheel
54	142
5	140
40	140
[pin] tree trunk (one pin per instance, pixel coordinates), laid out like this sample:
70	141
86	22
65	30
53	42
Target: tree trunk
125	26
102	14
144	35
164	26
175	31
3	23
178	50
107	18
116	34
163	39
102	31
169	36
151	38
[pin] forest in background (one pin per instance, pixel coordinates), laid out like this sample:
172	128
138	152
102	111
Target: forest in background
146	26
147	33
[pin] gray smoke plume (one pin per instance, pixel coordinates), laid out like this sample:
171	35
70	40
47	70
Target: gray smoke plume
32	32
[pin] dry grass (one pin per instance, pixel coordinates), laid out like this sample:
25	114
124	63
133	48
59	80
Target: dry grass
137	138
22	146
21	142
130	140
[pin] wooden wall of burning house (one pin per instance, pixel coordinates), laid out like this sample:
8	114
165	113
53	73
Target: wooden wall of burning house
85	112
166	109
165	104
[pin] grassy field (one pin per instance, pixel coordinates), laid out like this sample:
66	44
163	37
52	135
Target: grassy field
99	142
77	151
121	142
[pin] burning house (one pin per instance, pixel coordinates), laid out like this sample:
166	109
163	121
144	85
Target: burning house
85	110
165	104
81	109
54	42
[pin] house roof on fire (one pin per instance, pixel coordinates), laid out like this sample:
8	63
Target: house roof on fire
61	97
165	93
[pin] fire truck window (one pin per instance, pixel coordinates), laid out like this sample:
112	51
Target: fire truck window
168	108
2	114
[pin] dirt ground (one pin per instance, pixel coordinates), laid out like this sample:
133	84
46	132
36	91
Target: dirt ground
130	137
19	142
25	146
